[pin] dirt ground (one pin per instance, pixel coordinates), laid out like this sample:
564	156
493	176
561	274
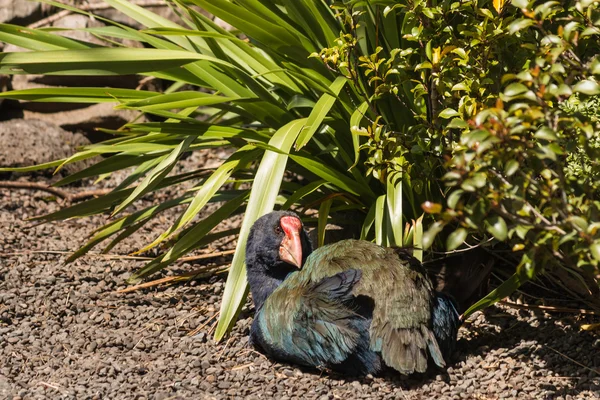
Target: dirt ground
66	333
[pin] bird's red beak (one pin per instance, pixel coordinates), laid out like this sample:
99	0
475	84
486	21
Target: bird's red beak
290	250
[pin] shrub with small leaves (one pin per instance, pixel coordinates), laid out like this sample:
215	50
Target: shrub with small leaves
493	109
526	170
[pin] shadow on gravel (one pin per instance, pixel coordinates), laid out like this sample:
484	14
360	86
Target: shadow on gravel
546	343
552	343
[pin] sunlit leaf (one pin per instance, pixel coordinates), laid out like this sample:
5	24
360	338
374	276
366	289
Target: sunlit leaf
262	199
505	289
497	227
456	239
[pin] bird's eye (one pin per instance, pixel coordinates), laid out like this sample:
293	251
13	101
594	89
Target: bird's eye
278	229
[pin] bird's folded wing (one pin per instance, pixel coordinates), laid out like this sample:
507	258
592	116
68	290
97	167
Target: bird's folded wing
311	322
402	328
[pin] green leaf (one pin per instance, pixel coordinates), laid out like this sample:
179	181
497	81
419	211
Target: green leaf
98	61
110	164
78	95
505	289
497	227
595	250
322	223
300	102
304	191
141	14
457	123
355	119
461	86
337	178
587	86
191	239
176	100
164	31
521	230
595	66
432	232
38	167
456	239
487	13
546	133
264	192
255	26
368	223
36	39
520	3
395	206
156	175
418	238
134	219
89	207
519	25
527	266
207	190
319	112
454	197
448	113
380	221
423	65
578	222
511	167
515	89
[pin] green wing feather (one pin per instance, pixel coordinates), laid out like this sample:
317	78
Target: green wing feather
402	293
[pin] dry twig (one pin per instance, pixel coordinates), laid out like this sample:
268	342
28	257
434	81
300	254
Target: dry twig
69	197
183	277
549	308
198	329
119	256
574	361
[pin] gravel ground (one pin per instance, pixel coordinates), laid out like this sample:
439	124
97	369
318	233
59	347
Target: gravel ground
66	333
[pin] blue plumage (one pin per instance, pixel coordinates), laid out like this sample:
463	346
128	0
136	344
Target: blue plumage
352	306
446	322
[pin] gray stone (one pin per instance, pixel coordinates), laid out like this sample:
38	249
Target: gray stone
31	142
11	10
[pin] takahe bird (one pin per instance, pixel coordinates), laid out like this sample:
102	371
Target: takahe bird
351	307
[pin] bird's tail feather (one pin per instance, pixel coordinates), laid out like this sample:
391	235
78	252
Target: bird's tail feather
446	322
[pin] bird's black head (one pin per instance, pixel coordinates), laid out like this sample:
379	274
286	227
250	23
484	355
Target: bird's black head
277	245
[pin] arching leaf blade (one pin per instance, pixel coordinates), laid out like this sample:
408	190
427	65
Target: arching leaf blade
262	199
319	112
191	239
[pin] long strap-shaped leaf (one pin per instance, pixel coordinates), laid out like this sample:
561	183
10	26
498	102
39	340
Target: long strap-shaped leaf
99	61
319	112
34	39
191	240
218	178
262	199
381	221
394	207
253	25
505	289
336	177
159	172
126	222
78	95
152	20
322	224
176	100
